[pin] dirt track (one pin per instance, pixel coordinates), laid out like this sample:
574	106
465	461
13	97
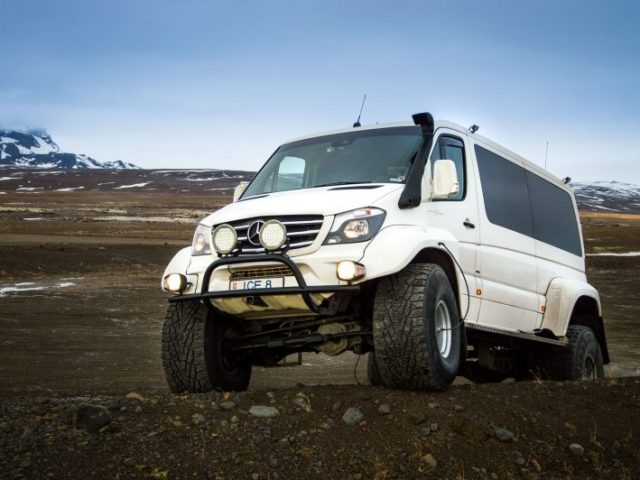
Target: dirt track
88	323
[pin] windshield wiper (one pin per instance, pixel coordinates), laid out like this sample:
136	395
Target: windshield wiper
340	183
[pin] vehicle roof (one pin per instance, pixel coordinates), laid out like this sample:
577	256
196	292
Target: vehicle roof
438	123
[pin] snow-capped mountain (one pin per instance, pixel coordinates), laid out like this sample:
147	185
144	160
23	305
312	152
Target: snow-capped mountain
607	196
36	149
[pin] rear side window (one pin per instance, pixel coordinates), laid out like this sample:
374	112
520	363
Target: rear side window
554	219
506	197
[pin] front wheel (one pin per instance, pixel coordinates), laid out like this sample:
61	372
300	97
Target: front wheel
416	329
196	350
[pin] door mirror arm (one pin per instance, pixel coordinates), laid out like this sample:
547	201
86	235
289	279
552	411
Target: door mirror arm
239	190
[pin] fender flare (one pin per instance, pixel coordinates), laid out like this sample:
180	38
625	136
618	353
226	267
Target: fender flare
389	252
561	298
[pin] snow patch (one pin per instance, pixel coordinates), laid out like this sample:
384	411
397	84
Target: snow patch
70	189
614	254
31	287
122	218
135	185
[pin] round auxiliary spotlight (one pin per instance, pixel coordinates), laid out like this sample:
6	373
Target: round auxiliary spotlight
225	239
273	235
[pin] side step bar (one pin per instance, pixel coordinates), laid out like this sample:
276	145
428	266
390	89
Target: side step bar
531	337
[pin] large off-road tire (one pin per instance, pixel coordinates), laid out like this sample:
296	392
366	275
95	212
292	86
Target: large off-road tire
580	360
195	353
416	329
373	374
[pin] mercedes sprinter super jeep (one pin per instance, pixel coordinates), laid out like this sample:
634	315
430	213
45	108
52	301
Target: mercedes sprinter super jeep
434	250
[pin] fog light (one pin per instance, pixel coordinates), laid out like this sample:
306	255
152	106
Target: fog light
348	270
225	239
174	282
273	235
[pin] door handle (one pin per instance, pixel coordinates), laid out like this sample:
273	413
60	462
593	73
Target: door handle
468	224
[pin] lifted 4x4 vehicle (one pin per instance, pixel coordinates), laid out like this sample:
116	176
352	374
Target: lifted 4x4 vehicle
436	251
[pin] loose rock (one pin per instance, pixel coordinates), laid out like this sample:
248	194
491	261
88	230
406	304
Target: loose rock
417	418
227	405
353	416
197	419
576	449
92	417
503	434
429	460
134	396
384	409
263	411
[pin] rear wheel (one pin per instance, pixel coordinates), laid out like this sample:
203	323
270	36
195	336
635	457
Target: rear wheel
196	350
580	360
416	329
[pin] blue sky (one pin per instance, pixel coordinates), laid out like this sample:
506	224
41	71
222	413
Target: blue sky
208	84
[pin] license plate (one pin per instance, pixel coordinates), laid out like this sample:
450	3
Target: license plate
256	283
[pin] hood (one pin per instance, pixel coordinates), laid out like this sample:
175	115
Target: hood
311	201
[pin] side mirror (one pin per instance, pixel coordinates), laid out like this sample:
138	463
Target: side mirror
239	190
445	179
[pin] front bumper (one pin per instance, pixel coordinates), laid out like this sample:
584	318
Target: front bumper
302	289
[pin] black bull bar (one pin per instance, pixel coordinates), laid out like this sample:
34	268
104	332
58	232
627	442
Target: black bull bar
302	289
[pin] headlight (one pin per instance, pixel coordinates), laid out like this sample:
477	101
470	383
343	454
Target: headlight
225	239
355	226
273	235
201	244
174	282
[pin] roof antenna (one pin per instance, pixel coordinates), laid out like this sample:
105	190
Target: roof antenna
546	155
357	124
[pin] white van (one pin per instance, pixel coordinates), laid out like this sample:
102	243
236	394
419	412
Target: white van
433	249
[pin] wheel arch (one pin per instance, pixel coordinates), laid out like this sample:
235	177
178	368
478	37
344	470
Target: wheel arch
586	312
574	302
443	259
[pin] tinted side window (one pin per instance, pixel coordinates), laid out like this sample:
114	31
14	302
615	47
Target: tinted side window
554	219
504	187
451	148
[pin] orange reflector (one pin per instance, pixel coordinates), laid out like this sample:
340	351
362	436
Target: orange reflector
542	308
478	292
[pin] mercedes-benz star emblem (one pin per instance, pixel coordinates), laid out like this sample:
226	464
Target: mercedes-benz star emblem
253	233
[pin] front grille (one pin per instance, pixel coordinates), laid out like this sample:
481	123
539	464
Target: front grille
261	272
302	230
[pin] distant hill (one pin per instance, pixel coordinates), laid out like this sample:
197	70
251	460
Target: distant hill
607	196
596	196
36	149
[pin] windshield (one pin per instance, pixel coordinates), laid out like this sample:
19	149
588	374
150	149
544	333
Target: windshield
367	156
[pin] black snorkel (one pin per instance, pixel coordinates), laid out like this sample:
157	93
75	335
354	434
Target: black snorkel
412	194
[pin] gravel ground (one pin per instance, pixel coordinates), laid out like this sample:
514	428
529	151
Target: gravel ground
509	430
